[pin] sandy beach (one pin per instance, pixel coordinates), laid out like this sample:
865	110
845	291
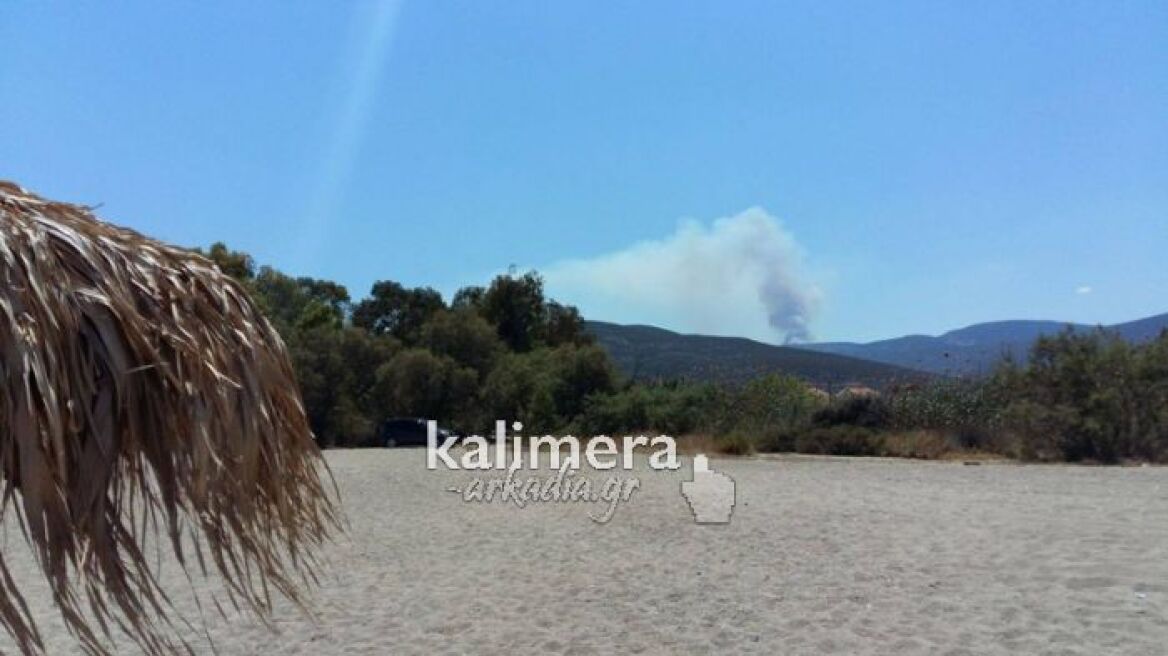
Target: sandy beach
822	556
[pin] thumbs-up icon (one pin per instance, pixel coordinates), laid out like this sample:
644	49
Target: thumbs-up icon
710	494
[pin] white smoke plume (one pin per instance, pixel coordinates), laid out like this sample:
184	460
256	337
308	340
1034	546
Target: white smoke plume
739	276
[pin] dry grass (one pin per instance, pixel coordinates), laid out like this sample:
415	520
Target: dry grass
923	444
932	445
695	443
143	392
731	445
918	444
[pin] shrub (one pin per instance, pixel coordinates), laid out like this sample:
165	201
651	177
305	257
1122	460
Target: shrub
735	444
670	408
774	403
861	411
840	440
778	441
1089	396
966	406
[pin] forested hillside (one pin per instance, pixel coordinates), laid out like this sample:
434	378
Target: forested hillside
651	353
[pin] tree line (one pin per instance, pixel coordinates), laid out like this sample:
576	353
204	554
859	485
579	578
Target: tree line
503	350
506	351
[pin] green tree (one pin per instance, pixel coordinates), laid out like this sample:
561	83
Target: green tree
515	306
320	370
579	372
776	403
419	383
464	336
299	302
564	325
237	264
511	387
468	298
395	310
1085	396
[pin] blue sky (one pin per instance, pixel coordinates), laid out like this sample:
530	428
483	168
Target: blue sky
843	170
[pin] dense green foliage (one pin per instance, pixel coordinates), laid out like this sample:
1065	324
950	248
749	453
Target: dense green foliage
1082	396
500	351
1089	397
505	351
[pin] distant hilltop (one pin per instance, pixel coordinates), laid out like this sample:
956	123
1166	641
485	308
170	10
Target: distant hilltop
976	349
650	353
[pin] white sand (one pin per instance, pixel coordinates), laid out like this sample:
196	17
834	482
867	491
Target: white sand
845	556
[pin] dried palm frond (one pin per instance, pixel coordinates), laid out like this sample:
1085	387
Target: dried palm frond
142	393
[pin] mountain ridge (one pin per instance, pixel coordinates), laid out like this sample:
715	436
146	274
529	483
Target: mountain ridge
645	352
650	352
976	348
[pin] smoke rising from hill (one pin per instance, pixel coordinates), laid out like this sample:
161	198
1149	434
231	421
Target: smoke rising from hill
740	275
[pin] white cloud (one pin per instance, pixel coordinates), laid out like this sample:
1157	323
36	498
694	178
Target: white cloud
741	275
1082	290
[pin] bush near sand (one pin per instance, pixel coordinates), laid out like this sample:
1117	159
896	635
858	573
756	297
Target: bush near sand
1082	397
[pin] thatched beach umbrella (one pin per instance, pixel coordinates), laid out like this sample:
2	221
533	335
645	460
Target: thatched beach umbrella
142	393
